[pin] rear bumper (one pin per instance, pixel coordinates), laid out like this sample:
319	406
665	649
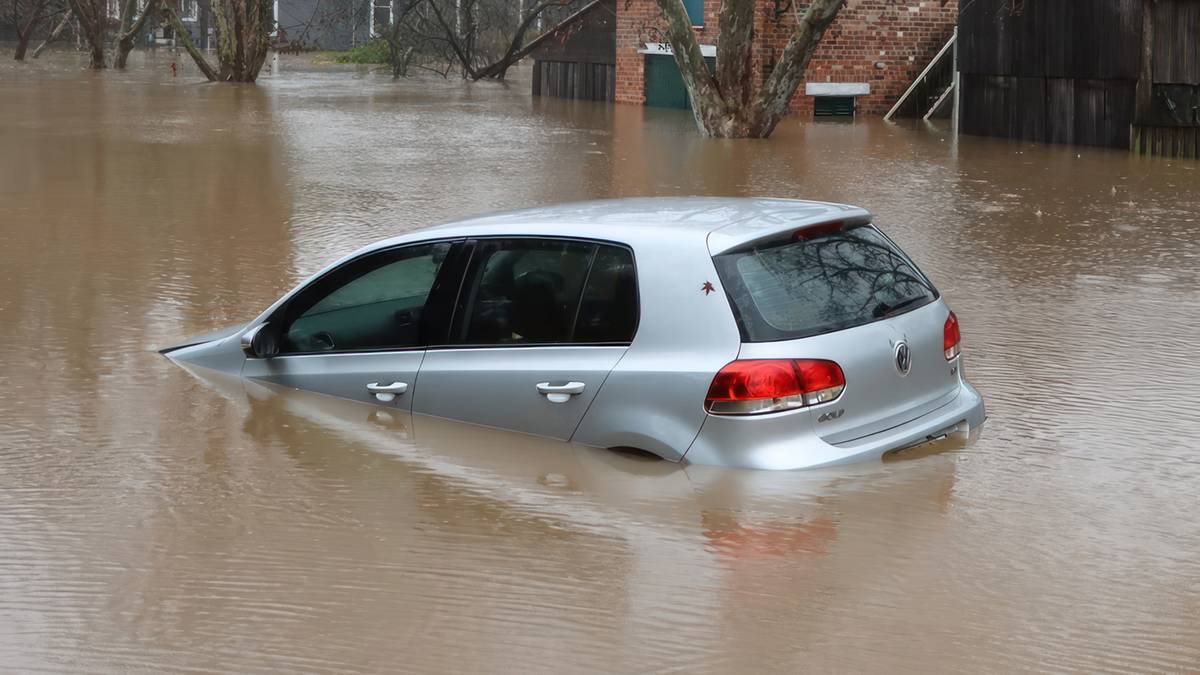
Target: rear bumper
788	440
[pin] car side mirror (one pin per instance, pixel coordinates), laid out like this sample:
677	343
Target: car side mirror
260	342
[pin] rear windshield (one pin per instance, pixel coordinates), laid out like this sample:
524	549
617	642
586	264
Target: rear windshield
816	284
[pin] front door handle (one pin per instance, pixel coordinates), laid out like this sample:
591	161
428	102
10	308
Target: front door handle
560	393
386	393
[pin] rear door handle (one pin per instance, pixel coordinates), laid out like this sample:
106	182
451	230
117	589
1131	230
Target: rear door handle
560	393
386	393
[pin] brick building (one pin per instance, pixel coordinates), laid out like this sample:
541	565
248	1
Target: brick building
870	55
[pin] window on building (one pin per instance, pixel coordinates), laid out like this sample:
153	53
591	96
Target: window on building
114	9
833	106
381	15
189	10
695	11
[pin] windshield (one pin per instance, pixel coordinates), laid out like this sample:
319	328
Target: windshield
821	283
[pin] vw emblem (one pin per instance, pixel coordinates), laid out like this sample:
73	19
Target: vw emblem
903	358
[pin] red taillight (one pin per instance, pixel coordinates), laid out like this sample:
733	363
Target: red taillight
759	386
951	337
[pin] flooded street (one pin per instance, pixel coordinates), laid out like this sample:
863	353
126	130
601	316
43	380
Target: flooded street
154	519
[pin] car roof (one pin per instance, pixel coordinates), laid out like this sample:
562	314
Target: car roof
727	222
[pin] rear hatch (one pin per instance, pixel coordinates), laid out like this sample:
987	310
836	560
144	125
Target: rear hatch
847	294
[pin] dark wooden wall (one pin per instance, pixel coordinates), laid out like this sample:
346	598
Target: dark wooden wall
590	36
577	59
1177	42
569	79
1049	110
1085	39
1060	71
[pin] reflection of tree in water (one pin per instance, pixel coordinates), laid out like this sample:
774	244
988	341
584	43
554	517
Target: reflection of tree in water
832	278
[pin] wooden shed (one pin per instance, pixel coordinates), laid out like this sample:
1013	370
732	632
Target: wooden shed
577	58
1086	72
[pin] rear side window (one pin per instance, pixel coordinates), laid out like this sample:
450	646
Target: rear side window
821	283
547	291
609	310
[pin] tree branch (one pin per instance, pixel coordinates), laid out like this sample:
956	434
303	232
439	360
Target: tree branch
186	38
781	85
692	66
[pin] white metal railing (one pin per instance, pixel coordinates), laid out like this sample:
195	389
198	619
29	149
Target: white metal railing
946	49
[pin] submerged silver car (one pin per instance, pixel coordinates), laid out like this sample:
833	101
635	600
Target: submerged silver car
758	333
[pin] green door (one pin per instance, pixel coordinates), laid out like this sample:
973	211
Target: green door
664	84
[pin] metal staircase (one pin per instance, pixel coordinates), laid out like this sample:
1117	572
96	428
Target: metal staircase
932	94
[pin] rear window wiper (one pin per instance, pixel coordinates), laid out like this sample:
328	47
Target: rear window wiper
884	310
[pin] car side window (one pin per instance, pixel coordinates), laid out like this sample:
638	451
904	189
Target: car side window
522	291
609	310
545	291
376	302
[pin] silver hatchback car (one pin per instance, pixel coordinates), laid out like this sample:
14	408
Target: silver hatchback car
758	333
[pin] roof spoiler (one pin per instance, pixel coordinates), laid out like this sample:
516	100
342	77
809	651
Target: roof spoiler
781	230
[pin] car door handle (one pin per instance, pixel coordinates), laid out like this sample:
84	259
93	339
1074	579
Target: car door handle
386	393
560	393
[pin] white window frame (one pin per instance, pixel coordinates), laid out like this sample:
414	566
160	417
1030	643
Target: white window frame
114	9
189	10
373	5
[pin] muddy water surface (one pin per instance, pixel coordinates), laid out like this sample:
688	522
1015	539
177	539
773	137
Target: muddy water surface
154	519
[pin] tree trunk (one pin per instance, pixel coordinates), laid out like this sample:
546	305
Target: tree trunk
97	62
462	43
517	49
91	17
188	46
781	85
25	33
399	56
243	39
62	24
129	33
725	105
22	46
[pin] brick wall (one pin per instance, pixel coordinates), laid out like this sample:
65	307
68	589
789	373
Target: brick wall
885	43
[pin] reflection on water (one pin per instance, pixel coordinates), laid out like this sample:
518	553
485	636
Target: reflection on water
153	518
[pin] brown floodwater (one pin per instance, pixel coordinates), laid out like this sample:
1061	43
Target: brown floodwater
154	519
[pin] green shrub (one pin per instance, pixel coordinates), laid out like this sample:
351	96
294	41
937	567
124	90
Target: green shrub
375	51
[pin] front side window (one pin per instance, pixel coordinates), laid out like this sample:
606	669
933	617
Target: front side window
537	291
376	302
819	282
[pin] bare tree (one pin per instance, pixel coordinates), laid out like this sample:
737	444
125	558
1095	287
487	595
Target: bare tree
726	103
92	18
25	17
65	16
401	43
130	28
243	30
486	37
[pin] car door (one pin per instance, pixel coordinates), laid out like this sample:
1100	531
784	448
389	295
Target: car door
539	324
360	331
